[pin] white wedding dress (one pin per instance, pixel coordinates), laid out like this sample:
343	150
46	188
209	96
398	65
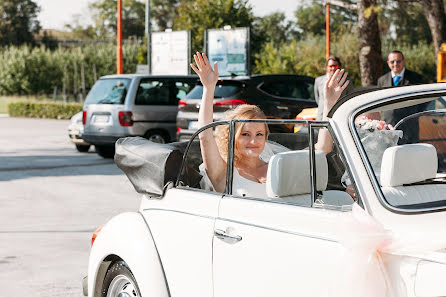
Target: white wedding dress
241	186
244	187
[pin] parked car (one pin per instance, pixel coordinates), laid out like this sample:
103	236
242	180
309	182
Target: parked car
280	96
75	131
133	105
307	114
381	235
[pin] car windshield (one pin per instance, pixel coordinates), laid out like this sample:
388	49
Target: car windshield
108	91
405	144
223	89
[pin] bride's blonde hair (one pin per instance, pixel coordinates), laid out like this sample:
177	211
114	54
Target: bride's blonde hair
244	111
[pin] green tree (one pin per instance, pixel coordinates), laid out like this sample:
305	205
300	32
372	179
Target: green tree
105	18
311	18
307	56
18	21
164	12
199	15
79	30
273	28
404	22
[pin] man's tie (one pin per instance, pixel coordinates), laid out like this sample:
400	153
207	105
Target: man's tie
396	80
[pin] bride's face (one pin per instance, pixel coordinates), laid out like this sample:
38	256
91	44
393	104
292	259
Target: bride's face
251	140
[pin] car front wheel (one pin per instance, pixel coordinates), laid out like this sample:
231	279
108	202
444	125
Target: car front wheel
119	281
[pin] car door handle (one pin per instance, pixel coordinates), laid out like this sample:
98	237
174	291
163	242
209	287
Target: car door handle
223	235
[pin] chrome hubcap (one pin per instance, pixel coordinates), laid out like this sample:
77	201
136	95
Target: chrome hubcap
122	286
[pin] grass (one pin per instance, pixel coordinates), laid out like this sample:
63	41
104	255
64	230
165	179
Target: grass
5	100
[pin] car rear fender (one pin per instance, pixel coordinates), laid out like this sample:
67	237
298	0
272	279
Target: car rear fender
127	237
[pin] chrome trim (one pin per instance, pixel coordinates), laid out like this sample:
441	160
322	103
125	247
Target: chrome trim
280	230
223	235
363	154
191	139
346	164
230	160
180	211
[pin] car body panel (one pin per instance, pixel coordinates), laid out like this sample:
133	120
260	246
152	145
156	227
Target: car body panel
128	237
218	244
260	263
182	224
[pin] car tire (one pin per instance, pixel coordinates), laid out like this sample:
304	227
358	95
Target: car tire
119	281
105	151
157	136
82	148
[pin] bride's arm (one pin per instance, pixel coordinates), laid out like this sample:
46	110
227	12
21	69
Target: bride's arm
333	90
213	162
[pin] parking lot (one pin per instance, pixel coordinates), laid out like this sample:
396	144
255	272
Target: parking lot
51	200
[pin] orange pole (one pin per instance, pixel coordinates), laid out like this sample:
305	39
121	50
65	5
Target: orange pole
119	40
327	31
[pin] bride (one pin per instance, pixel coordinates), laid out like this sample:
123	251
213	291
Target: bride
250	138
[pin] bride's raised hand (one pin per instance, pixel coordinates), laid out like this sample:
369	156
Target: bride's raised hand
334	87
208	77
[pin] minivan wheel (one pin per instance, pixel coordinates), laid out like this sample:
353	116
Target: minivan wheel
82	148
120	282
156	136
105	151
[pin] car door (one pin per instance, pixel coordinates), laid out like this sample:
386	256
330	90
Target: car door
276	247
155	106
182	225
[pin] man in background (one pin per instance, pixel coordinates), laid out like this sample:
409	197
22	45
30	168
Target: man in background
331	65
400	76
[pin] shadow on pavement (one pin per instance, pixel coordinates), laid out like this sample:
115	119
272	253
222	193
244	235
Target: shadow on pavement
19	167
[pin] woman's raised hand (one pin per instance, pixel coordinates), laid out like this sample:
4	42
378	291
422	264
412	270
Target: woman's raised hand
334	87
208	77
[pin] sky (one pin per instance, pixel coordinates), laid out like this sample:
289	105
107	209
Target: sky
56	13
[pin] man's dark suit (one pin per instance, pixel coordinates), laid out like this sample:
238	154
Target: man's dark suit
394	116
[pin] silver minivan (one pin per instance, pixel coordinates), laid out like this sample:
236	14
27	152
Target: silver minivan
133	105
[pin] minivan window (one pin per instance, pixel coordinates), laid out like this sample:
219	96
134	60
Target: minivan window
153	92
290	89
108	91
182	89
223	89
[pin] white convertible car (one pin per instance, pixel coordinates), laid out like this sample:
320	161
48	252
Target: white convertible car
367	219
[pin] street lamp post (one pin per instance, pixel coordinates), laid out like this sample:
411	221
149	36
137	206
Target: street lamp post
327	30
148	37
119	40
327	20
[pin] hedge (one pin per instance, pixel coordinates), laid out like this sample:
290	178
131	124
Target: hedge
29	70
58	111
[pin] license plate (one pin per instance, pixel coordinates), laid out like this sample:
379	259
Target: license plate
193	125
101	119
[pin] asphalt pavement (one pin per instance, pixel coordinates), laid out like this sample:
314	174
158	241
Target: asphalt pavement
51	200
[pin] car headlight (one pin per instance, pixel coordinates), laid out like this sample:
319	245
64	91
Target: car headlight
430	279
